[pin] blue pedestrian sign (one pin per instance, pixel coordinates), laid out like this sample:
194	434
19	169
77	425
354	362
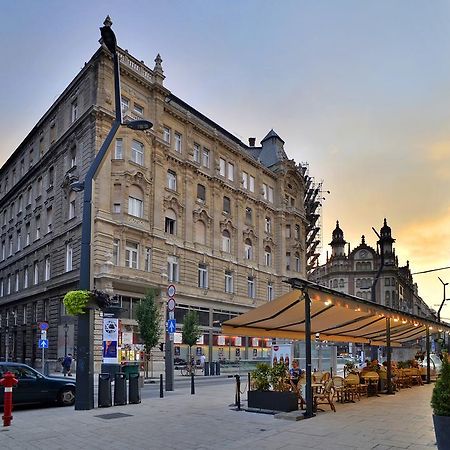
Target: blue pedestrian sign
171	325
43	343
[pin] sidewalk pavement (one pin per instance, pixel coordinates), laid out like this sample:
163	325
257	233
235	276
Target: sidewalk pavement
206	421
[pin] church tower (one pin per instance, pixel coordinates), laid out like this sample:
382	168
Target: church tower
338	242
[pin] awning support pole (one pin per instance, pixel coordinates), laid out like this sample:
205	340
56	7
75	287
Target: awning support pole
309	395
428	355
389	359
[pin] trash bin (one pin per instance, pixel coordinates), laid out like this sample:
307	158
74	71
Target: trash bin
134	392
120	389
104	390
130	367
206	368
217	367
211	367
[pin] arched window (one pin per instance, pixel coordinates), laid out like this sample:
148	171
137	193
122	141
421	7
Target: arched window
135	202
268	256
200	232
358	282
171	222
297	263
358	266
341	283
387	298
172	180
335	283
226	241
248	249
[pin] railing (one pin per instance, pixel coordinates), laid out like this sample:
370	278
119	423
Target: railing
136	67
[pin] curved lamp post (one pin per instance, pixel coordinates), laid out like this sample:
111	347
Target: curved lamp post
85	360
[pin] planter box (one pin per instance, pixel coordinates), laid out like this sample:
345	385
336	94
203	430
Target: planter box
273	401
442	431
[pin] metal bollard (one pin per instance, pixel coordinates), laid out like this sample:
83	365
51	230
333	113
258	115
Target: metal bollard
8	381
161	386
134	393
206	369
104	390
238	392
192	384
217	367
248	381
211	368
120	389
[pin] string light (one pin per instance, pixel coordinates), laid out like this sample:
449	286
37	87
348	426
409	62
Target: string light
328	303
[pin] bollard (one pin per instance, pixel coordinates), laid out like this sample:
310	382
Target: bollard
8	381
192	384
206	368
134	393
238	392
248	381
217	367
211	368
331	372
104	390
120	389
161	386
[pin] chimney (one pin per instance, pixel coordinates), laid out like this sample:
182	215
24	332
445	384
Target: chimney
251	142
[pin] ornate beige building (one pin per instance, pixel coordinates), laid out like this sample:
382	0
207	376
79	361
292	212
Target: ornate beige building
185	203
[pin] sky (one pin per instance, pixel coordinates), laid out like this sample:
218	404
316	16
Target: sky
359	90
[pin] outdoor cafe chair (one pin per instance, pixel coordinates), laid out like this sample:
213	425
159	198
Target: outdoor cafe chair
340	388
353	384
325	397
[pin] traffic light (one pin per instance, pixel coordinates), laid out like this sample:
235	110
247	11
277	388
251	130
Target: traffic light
161	346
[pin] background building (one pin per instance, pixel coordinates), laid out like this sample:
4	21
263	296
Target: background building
185	203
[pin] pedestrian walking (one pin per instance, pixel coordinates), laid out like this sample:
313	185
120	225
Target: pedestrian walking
202	361
67	363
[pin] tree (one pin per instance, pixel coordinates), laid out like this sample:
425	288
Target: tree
149	316
191	330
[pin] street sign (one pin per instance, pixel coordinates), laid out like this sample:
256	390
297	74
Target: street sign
44	334
171	290
43	326
171	325
171	314
171	304
43	343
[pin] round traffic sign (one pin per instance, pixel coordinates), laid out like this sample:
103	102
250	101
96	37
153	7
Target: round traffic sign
43	326
171	304
171	290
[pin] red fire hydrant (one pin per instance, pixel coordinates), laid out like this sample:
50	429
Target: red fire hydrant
8	381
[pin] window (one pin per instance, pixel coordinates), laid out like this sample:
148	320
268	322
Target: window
268	225
118	149
22	167
251	184
270	194
230	171
14	177
38	227
27	234
201	192
172	268
205	157
29	195
11	245
74	111
200	232
288	260
264	191
171	222
297	262
203	276
251	287
47	268
4	217
248	249
269	291
226	241
49	219
125	104
131	255
139	109
1	288
36	272
73	157
245	180
148	259
41	146
30	159
24	314
116	252
288	231
137	152
11	211
177	142
135	207
116	208
268	256
51	177
25	277
3	250
16	282
172	180
297	231
69	257
72	203
226	205
387	281
197	152
19	241
166	134
46	302
52	133
341	281
228	281
222	167
248	215
8	285
20	204
34	313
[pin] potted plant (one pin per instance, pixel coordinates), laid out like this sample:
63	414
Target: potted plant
76	302
440	402
278	399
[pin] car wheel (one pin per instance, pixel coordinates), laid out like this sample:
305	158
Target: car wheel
66	396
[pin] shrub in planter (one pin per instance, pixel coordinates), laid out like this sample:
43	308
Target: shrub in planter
440	402
76	302
261	377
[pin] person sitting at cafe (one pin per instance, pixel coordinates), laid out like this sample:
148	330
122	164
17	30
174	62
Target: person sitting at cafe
295	374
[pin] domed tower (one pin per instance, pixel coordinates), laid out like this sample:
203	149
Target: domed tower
338	242
386	242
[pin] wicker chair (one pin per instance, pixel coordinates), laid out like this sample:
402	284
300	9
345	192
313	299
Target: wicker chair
340	389
325	397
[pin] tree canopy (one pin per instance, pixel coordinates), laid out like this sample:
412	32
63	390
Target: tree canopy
149	317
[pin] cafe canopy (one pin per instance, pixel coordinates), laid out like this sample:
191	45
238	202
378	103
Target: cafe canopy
334	316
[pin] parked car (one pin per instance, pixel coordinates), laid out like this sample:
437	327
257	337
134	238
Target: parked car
435	365
33	387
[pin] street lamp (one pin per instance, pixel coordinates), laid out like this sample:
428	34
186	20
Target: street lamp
85	363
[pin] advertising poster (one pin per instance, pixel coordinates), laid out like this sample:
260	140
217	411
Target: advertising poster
281	353
110	341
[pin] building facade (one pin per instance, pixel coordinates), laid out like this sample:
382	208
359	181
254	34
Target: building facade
186	203
354	272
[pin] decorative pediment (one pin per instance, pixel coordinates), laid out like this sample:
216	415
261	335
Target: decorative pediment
172	202
299	246
202	214
138	178
269	241
227	224
248	233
